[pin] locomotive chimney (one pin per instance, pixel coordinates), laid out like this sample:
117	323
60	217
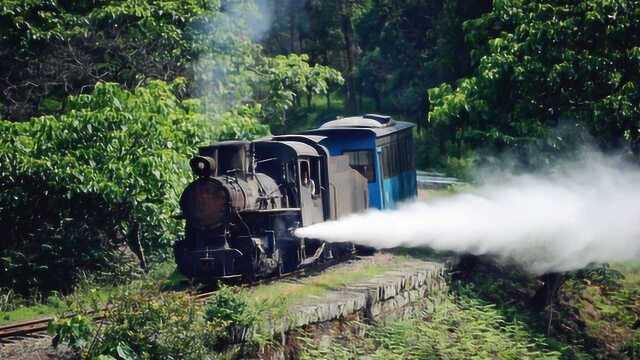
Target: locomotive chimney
203	166
231	158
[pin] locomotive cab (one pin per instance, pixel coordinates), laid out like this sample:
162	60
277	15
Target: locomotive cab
242	209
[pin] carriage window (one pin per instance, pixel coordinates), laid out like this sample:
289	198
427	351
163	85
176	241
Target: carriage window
362	162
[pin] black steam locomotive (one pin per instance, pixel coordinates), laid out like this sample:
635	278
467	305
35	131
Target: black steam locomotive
249	197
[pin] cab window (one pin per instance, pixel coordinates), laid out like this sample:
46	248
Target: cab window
309	177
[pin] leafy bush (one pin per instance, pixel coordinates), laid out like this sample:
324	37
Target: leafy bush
66	47
141	322
155	326
459	328
241	123
535	71
105	173
76	331
230	311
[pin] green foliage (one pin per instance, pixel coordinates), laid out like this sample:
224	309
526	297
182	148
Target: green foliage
286	79
241	123
154	326
105	173
458	328
412	45
141	322
592	316
544	63
229	307
50	49
230	312
632	347
76	331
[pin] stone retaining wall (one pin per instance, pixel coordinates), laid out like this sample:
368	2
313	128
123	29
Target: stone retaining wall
400	293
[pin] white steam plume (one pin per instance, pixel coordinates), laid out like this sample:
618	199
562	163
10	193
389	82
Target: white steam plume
585	212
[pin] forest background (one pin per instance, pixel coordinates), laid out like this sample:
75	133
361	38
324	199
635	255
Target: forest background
104	101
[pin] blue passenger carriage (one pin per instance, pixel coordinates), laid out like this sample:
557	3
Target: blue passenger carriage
381	149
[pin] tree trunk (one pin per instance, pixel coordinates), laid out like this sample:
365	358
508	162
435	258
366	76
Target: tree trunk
292	29
547	295
136	245
347	32
376	98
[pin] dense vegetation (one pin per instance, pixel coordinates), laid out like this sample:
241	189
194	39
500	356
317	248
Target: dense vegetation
98	168
102	103
488	315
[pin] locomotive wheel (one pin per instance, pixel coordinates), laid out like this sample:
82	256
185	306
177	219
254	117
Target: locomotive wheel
364	250
342	250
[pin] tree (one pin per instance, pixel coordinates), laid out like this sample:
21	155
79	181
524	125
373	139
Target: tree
542	63
105	173
50	49
283	79
410	45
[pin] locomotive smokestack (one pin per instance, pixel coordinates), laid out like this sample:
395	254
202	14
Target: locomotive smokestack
203	166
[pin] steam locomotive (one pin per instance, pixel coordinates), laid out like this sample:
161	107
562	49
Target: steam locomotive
248	197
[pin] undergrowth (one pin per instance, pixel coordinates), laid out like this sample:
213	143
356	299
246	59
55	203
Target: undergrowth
461	327
14	307
595	313
490	314
143	322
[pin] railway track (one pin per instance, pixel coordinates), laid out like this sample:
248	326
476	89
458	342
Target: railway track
24	330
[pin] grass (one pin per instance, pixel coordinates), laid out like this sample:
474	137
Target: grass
461	327
487	316
163	273
25	313
274	298
631	272
611	315
54	304
280	295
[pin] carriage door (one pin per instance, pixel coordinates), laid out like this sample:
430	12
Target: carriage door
310	186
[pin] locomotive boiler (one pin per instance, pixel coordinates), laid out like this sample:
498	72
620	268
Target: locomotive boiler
248	197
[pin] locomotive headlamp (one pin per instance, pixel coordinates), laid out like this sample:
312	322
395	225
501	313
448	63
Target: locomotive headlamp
203	165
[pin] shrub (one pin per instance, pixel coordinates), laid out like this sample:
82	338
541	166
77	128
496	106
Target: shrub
141	322
76	331
155	326
458	328
105	173
230	311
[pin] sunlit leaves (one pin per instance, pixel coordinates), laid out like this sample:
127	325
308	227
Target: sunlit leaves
285	78
80	181
541	63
